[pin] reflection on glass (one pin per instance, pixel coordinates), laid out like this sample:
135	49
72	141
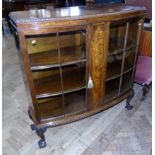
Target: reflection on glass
44	13
64	12
74	11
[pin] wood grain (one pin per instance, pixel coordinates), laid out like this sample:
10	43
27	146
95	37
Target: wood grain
97	53
145	47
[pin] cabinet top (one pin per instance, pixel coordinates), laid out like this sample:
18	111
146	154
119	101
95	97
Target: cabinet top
74	13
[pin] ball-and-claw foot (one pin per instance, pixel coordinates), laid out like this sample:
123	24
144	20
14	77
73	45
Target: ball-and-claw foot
129	106
42	143
33	127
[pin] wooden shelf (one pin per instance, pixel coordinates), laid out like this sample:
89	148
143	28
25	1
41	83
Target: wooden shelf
128	70
129	59
113	70
50	59
51	85
117	44
53	107
114	67
111	89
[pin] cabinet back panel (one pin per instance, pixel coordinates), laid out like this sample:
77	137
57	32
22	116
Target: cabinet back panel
50	43
43	43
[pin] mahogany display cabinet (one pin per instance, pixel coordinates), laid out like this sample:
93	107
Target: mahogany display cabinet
76	61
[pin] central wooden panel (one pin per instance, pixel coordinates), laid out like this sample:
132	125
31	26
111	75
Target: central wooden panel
98	47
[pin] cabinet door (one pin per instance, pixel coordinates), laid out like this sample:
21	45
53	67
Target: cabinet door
72	46
117	36
115	50
130	54
58	67
123	44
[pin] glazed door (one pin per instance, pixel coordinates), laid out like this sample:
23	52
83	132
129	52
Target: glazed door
122	53
58	63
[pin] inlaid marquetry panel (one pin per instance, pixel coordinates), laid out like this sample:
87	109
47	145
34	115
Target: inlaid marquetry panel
98	54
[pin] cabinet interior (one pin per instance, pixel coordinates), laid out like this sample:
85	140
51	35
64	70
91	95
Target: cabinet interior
58	65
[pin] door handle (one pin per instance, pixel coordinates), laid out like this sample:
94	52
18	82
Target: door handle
90	83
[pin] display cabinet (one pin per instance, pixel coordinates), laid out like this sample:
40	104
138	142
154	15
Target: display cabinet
76	61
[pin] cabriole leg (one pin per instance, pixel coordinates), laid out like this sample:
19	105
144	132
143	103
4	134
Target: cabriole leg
128	105
40	132
29	113
145	90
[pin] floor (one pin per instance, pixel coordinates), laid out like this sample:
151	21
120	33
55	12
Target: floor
115	131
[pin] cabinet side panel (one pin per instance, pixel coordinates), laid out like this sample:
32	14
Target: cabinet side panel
98	54
27	77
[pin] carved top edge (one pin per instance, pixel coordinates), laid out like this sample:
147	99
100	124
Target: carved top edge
72	13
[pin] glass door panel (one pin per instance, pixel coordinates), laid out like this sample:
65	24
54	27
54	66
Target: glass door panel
129	59
114	64
133	32
74	87
51	107
42	50
58	64
126	81
73	64
111	89
116	48
74	77
75	102
117	36
72	46
47	82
